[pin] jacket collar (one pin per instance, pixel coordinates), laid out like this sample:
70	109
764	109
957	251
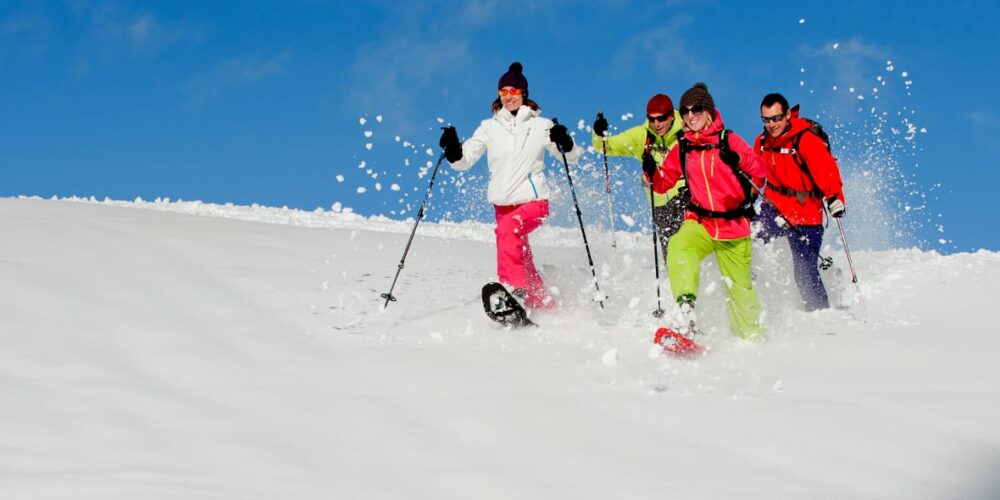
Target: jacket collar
677	124
524	113
710	134
795	126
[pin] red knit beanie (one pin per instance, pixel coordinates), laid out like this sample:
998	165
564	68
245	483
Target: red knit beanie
659	104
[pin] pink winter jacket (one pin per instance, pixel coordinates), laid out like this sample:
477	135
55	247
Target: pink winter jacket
712	183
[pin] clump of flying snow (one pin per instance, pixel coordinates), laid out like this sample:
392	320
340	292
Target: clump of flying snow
610	357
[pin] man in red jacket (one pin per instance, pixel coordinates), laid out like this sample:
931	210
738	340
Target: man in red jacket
802	177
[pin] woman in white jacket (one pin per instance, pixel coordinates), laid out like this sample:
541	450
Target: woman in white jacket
514	141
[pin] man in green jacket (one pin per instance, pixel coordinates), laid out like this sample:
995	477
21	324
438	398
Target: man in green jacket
649	143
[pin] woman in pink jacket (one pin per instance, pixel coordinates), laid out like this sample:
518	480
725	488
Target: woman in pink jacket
514	140
720	169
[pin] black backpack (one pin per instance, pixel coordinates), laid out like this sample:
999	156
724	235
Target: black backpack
816	128
746	207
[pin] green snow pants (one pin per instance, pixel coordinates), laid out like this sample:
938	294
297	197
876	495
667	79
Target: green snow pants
689	247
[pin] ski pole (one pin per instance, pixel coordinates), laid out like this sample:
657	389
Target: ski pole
656	250
579	217
607	188
388	296
854	274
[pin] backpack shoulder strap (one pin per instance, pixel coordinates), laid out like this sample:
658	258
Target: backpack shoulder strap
741	176
801	162
746	206
682	150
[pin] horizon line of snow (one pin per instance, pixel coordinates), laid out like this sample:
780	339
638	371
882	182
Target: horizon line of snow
339	217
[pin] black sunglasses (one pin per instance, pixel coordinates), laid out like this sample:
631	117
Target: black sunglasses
697	108
772	119
660	118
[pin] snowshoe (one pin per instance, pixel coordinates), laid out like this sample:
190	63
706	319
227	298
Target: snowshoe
678	340
501	306
676	344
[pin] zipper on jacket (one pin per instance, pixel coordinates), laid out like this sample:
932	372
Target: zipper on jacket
708	187
708	190
533	189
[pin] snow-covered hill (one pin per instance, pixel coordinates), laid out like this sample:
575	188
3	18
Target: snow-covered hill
220	352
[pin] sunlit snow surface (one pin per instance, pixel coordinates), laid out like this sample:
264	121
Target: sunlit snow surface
189	350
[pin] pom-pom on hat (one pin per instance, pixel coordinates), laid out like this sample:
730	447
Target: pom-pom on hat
698	94
513	77
659	104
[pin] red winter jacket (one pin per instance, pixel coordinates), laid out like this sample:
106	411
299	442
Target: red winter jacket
712	183
784	175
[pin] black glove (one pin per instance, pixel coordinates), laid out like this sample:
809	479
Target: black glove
600	125
649	166
726	154
559	135
450	144
836	207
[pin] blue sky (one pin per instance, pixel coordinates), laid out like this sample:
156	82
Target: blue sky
262	102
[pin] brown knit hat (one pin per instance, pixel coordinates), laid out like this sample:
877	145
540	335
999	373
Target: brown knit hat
698	94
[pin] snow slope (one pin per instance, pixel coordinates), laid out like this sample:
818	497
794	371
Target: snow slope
184	350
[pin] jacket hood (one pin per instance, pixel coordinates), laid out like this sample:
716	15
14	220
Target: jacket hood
709	134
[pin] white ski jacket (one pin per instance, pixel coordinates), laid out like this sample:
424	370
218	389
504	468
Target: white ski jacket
514	153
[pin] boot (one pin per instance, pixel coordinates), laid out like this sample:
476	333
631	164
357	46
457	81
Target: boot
684	317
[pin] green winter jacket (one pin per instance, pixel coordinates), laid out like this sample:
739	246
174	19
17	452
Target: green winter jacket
632	142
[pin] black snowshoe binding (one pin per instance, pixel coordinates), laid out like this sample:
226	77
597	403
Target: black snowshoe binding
501	306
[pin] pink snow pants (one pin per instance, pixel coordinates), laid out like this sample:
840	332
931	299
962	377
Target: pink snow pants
514	262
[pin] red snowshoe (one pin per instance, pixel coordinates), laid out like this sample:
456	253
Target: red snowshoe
678	345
